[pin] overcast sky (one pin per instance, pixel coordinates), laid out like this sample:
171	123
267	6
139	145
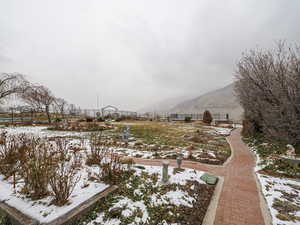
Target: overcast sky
136	52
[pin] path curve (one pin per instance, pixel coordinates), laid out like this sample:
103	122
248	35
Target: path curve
239	203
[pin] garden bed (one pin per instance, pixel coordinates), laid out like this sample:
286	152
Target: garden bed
280	183
41	131
141	196
43	210
144	199
204	144
46	176
283	199
198	155
80	126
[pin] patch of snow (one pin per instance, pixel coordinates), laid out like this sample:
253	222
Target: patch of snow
272	188
40	131
130	207
176	198
42	210
100	220
178	178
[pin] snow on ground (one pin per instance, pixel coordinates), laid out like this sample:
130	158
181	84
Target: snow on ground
178	178
276	188
42	210
130	207
163	154
236	125
218	130
100	220
175	197
40	131
197	154
223	131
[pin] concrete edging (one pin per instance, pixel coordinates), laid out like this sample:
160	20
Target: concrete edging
15	216
18	218
210	215
262	200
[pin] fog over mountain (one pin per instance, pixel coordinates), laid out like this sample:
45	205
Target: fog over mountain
165	105
219	101
135	53
222	100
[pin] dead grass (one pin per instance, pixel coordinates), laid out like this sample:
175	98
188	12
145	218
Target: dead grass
287	210
160	136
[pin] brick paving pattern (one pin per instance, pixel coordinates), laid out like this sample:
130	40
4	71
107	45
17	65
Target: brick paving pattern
239	201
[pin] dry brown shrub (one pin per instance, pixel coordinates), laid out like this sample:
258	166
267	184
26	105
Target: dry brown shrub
111	169
37	168
63	182
40	162
248	128
99	149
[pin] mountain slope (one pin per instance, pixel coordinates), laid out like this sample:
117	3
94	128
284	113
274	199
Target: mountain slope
219	101
164	106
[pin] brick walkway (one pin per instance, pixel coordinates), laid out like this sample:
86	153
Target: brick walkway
239	201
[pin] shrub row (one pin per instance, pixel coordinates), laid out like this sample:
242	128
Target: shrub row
39	164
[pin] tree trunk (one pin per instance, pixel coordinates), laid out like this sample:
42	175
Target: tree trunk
48	113
62	114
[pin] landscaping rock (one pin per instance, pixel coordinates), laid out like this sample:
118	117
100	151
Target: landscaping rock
209	179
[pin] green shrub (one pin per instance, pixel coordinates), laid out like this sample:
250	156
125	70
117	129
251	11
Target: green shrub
89	119
4	220
57	120
100	119
119	119
188	119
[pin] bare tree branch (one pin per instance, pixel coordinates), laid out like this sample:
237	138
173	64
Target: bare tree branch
268	87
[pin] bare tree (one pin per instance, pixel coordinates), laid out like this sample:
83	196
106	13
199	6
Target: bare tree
72	109
40	98
61	105
11	83
268	87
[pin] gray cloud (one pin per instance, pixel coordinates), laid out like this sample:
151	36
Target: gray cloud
133	53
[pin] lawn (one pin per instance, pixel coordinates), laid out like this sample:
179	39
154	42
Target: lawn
158	140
